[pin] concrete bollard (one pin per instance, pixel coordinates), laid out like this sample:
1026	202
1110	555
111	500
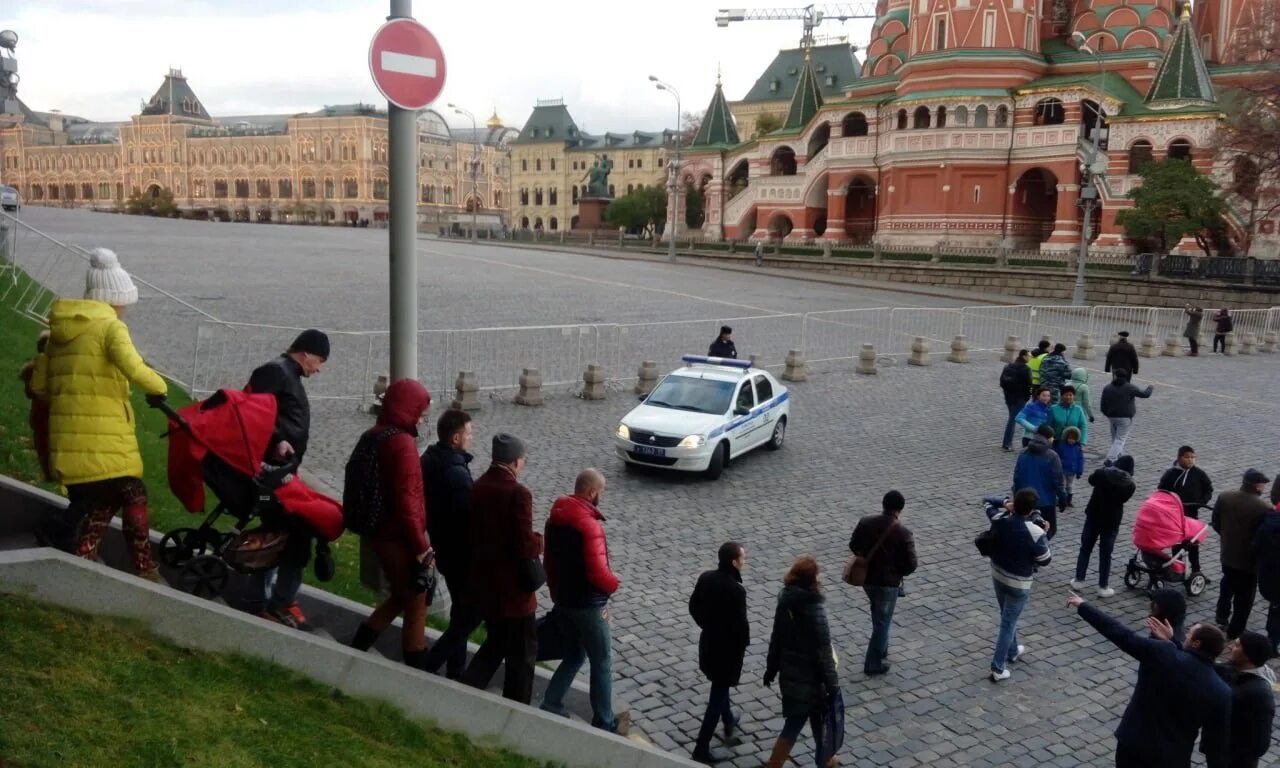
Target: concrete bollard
1172	345
467	387
1012	345
530	387
920	352
867	359
959	350
593	382
1248	343
1084	347
826	249
646	377
795	370
1148	348
1269	342
1229	344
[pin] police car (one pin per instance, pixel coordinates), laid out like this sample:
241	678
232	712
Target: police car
702	415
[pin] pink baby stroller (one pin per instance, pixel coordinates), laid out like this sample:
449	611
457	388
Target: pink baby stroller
1160	528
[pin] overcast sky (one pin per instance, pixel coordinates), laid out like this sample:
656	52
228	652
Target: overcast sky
100	58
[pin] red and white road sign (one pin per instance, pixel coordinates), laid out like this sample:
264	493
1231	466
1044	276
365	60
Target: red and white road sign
406	63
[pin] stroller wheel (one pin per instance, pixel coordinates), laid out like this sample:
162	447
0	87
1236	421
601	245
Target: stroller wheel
1196	584
204	576
180	545
1132	577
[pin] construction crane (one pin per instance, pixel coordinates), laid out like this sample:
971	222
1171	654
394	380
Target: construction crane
810	15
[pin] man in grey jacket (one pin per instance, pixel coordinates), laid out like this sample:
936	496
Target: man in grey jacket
1236	517
1119	408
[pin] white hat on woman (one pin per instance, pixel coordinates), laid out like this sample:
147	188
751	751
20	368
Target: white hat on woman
107	281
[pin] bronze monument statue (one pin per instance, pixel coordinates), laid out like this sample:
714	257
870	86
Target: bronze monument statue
597	177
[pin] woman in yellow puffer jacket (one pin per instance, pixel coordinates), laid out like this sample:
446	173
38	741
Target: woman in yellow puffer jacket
84	374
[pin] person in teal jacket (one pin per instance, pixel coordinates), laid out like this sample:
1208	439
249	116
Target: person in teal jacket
1080	380
1065	413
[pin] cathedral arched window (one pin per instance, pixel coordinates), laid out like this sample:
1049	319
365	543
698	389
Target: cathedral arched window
980	116
920	119
1002	116
1139	155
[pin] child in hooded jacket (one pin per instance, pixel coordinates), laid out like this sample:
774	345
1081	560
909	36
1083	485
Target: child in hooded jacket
1080	380
1071	452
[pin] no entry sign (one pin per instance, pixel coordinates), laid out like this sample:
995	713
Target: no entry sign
406	63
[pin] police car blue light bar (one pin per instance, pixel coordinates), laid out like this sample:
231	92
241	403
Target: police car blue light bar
725	361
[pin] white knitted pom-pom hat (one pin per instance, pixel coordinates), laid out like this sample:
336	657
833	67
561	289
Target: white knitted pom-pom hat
107	281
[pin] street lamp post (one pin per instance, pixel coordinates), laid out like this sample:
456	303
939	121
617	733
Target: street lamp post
1090	176
475	165
673	174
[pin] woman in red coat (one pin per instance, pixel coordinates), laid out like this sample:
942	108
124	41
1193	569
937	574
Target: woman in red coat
400	539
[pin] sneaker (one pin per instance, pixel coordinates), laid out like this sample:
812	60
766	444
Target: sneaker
299	618
1079	583
279	617
1106	592
1001	675
1017	654
883	669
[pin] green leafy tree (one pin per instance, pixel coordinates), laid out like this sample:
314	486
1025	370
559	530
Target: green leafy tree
693	207
1175	200
643	210
141	203
767	123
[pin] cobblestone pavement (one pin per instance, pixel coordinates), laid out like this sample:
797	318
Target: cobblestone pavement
931	432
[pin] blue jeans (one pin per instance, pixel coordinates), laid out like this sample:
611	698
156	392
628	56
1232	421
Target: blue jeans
1106	539
586	632
1011	601
275	588
883	600
1014	410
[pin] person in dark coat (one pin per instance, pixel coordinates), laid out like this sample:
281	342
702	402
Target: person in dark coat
1121	354
1193	486
400	541
1015	382
723	346
1222	325
1192	330
1266	548
718	606
505	572
446	479
273	593
1055	371
1117	404
890	551
1253	698
1178	694
1040	469
800	652
1112	486
1236	517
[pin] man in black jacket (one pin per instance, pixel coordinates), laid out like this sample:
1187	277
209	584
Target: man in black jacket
1253	700
1236	518
1178	694
274	592
890	552
719	607
1015	382
446	480
1121	354
1193	486
1266	548
1118	406
723	346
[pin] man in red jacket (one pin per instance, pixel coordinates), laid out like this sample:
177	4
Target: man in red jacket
505	572
581	582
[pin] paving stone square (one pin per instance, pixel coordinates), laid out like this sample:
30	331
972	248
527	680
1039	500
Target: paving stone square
931	432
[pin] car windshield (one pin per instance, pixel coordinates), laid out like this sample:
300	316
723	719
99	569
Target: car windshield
686	393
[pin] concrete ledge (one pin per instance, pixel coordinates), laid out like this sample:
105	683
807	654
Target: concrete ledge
54	577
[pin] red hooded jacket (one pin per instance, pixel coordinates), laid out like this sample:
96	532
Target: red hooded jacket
577	559
405	402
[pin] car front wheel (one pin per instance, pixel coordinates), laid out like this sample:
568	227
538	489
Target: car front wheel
719	458
779	434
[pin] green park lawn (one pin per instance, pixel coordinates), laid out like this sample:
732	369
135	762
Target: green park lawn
86	691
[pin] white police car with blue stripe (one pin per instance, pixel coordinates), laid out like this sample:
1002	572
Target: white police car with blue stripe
700	416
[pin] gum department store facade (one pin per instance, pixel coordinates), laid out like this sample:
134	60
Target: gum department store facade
329	165
969	121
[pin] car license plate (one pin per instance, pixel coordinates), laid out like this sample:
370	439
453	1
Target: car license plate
649	450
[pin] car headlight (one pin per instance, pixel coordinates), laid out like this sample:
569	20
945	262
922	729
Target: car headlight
692	441
624	432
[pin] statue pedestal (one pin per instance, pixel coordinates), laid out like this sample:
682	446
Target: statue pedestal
591	215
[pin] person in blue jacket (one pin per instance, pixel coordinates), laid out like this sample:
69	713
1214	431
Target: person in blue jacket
1040	469
1033	414
1178	693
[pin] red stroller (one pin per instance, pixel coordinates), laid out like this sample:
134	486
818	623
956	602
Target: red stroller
220	442
1161	534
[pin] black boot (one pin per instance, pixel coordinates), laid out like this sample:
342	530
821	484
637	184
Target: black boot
416	659
365	637
709	756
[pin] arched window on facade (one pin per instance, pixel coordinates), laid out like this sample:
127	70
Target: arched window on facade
854	124
920	118
1180	149
901	123
962	116
941	120
537	196
553	196
783	162
574	193
1002	116
555	224
1139	155
980	116
1050	112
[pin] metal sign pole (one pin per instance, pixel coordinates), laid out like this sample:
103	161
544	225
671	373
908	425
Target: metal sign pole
402	129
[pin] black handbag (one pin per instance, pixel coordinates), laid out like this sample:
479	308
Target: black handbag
552	642
530	575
